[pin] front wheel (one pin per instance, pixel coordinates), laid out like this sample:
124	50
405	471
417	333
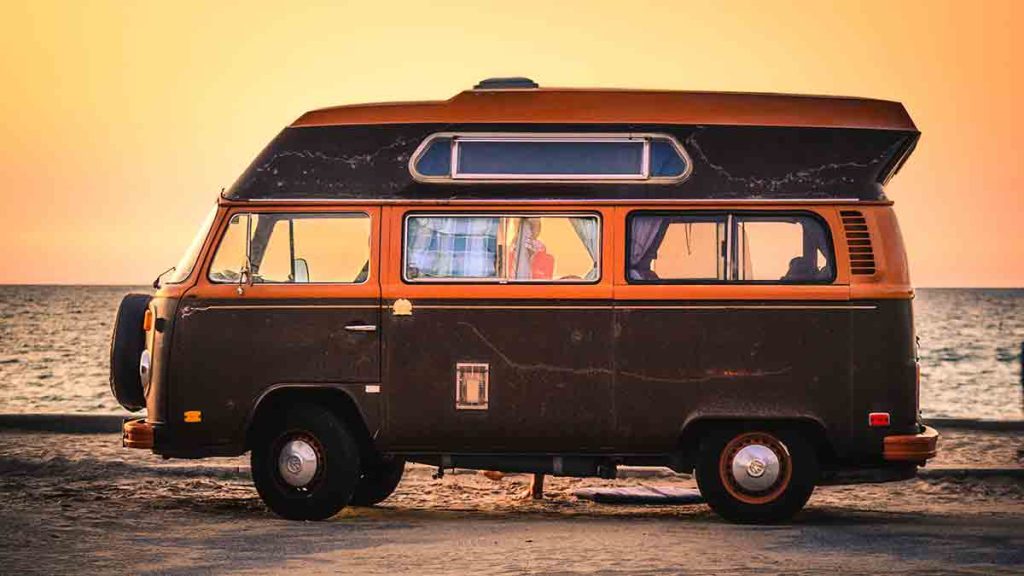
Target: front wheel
756	476
305	463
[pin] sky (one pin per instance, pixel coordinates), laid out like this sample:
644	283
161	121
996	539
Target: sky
121	121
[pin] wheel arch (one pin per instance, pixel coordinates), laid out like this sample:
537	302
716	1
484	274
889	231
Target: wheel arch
338	400
811	428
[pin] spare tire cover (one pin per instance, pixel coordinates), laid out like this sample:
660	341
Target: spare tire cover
126	346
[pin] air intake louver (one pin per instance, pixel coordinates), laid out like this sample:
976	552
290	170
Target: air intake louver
862	257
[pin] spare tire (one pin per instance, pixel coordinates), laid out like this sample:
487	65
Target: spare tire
126	346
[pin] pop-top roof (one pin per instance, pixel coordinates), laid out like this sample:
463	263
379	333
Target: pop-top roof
519	100
508	139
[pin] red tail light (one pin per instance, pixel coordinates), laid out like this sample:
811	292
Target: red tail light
877	419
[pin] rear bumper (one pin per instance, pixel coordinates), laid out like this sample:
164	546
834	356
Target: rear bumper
137	433
912	447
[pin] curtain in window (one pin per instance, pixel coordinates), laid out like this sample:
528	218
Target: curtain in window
452	247
586	229
643	236
522	249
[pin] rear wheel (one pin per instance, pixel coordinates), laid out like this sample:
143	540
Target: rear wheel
305	463
756	476
378	482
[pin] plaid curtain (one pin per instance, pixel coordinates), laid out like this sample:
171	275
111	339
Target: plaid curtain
452	247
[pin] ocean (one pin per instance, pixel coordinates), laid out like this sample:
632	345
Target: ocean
54	349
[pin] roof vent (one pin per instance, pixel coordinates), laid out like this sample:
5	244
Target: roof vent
510	83
862	257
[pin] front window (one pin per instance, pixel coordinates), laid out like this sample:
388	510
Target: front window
188	260
692	247
502	248
288	248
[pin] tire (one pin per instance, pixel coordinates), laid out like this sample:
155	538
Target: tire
753	493
126	346
282	452
378	482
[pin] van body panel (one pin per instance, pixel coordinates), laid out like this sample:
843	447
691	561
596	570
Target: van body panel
883	364
237	352
243	339
680	360
550	369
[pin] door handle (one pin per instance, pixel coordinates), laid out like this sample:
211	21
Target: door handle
361	328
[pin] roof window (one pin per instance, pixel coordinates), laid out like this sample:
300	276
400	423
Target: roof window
451	157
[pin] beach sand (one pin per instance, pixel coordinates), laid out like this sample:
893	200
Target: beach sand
81	503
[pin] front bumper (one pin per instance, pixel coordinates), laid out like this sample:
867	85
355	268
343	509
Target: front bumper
912	447
137	433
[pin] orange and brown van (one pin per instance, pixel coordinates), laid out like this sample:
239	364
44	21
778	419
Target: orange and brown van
550	281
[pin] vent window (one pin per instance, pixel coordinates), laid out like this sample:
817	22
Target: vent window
858	239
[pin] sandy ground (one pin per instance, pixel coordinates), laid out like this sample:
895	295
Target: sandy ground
80	503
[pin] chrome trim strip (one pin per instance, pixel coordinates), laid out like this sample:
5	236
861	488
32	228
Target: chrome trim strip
191	309
747	307
510	307
531	307
644	307
589	201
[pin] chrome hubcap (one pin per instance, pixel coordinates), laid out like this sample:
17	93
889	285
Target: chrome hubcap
297	463
756	468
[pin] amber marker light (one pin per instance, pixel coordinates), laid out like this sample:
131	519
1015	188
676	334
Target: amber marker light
147	321
878	419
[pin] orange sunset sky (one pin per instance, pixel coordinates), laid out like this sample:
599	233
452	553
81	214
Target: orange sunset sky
121	121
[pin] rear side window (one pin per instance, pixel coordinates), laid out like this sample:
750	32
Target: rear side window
779	248
793	249
287	248
502	248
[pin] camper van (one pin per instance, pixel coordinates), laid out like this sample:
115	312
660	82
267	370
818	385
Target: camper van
549	281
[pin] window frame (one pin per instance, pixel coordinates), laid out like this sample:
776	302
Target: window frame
643	177
503	214
325	214
730	259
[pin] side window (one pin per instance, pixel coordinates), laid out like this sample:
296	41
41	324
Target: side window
681	248
502	248
284	248
783	249
708	248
